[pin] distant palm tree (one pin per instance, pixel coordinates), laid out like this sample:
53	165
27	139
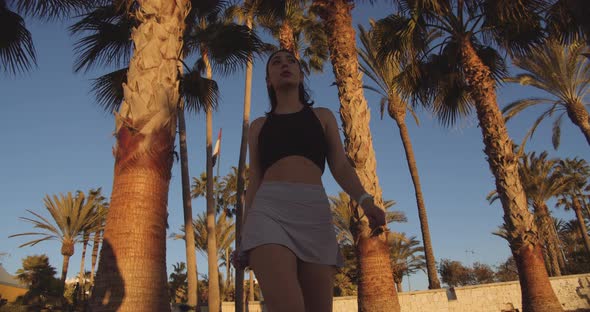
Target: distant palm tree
94	196
345	219
407	257
455	75
572	198
385	73
71	217
562	72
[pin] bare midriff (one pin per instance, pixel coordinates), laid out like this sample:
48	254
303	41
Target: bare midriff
295	169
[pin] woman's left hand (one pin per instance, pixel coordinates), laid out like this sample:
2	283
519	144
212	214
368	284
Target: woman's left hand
375	214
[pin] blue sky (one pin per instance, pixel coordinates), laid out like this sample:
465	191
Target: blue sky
57	140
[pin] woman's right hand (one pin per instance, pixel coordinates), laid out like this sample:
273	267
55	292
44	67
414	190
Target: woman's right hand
238	261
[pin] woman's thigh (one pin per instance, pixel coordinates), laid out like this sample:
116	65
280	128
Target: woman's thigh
275	267
317	285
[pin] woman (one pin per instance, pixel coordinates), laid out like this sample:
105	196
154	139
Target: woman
288	238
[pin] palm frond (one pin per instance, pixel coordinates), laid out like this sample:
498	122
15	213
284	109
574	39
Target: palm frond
199	91
53	9
17	52
106	41
108	89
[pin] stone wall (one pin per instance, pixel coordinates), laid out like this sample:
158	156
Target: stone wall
573	292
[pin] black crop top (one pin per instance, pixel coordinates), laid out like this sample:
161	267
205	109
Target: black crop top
300	133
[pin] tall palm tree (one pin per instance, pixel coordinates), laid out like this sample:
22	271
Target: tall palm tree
132	269
407	257
109	43
376	276
457	74
564	73
578	171
541	181
71	215
385	74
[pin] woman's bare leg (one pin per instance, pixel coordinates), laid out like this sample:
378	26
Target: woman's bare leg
275	267
317	285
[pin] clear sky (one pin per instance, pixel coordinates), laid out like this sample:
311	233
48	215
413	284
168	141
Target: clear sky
56	139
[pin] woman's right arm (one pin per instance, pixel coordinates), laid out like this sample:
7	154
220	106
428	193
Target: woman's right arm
254	173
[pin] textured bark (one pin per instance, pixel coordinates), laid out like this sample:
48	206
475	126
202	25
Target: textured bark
579	116
376	291
67	250
189	232
132	271
96	241
397	110
537	294
240	298
547	236
582	224
287	39
214	291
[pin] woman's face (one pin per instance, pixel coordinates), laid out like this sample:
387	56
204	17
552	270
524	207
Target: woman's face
283	71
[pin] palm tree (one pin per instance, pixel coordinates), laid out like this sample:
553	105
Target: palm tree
95	197
385	73
17	51
407	257
578	171
567	20
376	276
109	44
457	73
562	72
541	181
345	219
71	217
102	207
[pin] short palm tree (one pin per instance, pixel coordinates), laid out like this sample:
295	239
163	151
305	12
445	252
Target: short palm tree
346	219
561	71
457	74
407	257
71	215
385	73
572	198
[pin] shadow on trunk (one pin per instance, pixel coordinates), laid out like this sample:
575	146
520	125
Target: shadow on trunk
108	298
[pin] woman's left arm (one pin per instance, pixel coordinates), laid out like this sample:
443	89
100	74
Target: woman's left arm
344	173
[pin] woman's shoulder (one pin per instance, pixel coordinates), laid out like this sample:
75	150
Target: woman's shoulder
323	111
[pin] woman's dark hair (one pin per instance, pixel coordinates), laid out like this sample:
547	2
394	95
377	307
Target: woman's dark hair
304	97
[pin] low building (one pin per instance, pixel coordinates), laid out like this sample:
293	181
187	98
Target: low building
10	287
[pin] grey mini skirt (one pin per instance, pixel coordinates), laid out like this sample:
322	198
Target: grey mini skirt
294	215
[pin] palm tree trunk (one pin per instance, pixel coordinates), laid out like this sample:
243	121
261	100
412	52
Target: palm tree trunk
544	225
132	271
82	261
579	116
64	270
227	274
287	39
239	289
398	285
189	232
214	296
376	289
399	113
96	241
537	294
582	224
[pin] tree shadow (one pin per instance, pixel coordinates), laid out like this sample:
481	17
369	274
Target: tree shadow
109	290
